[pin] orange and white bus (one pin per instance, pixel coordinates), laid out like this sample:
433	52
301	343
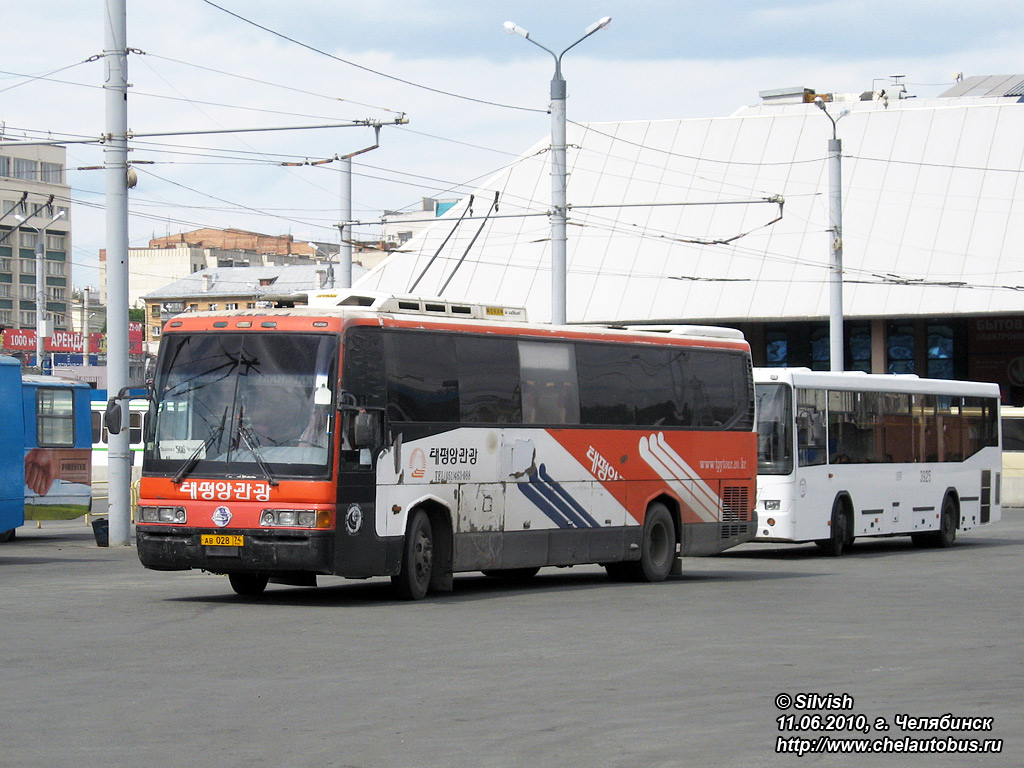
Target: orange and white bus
416	439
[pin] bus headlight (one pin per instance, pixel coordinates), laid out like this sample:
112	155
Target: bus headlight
173	515
772	505
295	518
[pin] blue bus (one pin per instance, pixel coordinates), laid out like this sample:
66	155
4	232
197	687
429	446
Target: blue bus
45	449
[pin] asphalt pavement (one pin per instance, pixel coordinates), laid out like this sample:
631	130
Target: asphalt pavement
107	664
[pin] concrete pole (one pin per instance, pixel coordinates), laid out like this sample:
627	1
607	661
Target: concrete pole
835	217
558	197
85	326
115	160
345	254
40	295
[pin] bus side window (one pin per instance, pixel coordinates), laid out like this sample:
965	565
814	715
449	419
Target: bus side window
811	444
98	432
135	428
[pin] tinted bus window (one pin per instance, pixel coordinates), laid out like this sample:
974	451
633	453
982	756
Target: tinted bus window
721	388
423	377
488	380
548	383
608	374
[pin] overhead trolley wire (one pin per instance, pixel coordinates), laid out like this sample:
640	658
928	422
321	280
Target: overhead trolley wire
364	68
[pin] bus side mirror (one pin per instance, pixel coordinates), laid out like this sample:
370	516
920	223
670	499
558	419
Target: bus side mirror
366	429
112	416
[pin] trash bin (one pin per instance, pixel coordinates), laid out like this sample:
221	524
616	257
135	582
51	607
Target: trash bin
101	530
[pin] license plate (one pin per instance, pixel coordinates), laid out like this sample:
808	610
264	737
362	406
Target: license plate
221	540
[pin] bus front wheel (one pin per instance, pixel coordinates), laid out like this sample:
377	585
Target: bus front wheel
6	536
841	534
413	581
947	525
248	584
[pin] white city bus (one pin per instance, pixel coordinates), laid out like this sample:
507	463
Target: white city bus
842	455
1013	456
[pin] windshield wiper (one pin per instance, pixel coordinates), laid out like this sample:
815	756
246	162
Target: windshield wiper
200	450
251	443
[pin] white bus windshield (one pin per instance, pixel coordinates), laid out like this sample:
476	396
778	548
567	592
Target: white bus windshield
774	429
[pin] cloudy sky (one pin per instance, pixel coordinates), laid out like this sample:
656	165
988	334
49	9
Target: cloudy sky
475	97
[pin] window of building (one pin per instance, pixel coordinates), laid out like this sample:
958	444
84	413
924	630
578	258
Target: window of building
940	352
821	349
193	307
231	305
55	242
52	173
900	348
154	310
859	344
5	170
24	168
776	348
27	239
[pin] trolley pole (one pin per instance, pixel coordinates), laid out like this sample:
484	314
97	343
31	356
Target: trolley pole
115	161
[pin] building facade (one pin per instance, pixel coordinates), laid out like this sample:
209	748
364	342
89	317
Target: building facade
34	207
230	288
726	220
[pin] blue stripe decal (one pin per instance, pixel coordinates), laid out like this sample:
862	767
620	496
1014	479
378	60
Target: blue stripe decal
574	505
530	492
553	500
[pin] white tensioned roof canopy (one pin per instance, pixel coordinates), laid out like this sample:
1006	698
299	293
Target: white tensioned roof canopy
933	218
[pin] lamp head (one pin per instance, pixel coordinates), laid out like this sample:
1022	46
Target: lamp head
601	23
819	103
514	29
20	218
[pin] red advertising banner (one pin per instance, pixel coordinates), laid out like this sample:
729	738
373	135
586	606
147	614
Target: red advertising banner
24	340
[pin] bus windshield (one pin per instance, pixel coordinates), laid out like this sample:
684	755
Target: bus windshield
774	429
243	405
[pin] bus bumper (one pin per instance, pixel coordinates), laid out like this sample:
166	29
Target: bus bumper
177	549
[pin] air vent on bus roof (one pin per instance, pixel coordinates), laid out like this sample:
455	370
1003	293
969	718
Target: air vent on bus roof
432	305
710	331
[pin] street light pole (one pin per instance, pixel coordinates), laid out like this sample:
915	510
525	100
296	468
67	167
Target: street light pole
559	202
835	223
40	251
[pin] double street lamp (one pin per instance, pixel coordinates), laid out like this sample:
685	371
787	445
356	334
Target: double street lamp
558	167
835	223
40	250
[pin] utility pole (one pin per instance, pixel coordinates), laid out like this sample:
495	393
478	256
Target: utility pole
345	228
115	161
835	224
559	204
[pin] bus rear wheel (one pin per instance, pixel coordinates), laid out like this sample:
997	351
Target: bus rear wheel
413	581
841	533
657	547
6	536
248	584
